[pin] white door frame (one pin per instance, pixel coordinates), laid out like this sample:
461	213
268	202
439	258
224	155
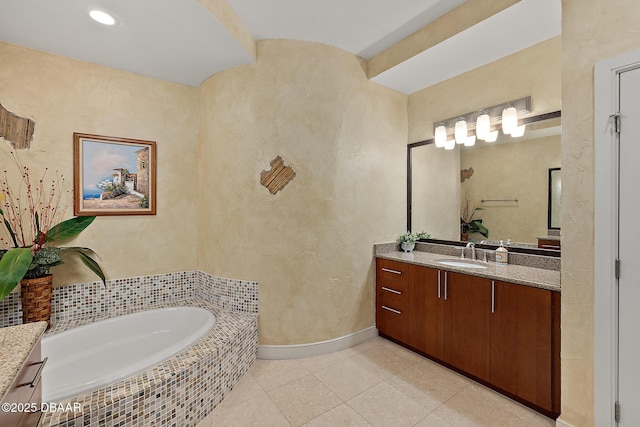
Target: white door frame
605	234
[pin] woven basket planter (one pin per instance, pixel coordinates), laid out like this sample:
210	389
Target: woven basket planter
36	298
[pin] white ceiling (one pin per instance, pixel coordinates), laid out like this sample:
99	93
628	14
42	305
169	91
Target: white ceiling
180	41
518	27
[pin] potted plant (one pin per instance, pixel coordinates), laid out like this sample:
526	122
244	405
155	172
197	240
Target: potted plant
469	224
31	215
408	240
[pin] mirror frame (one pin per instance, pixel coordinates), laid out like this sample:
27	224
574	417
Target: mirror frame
410	147
552	206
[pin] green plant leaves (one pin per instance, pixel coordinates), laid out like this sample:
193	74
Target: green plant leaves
87	260
13	265
69	228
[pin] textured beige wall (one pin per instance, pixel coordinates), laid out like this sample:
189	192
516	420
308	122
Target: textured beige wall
592	30
310	245
520	170
435	201
64	96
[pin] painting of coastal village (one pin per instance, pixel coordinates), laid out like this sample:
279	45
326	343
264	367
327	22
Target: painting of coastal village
115	177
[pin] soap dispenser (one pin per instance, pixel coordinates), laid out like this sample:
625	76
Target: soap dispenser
502	255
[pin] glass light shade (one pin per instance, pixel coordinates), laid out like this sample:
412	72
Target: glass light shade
470	141
518	131
483	126
450	144
102	17
492	136
461	131
440	136
509	120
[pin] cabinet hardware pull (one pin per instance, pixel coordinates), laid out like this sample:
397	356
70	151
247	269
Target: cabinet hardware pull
392	310
493	296
35	379
438	284
391	271
551	246
446	286
384	288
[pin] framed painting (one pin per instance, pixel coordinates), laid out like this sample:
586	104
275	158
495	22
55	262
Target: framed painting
113	176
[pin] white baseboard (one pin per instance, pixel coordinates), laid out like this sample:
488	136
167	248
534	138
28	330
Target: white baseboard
560	423
297	351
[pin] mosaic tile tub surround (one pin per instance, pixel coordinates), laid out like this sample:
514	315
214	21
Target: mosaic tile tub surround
182	390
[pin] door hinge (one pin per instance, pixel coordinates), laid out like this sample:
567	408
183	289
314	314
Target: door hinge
617	268
617	412
614	122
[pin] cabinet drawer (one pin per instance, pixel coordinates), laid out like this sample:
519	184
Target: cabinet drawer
392	273
30	393
392	321
392	293
549	244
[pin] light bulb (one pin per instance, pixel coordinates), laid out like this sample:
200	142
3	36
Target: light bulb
483	126
470	141
450	144
509	120
440	135
492	136
518	132
102	17
461	131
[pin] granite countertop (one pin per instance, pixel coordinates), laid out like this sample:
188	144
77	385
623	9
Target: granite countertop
528	276
16	343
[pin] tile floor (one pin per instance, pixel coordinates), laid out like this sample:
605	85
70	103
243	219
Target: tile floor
376	383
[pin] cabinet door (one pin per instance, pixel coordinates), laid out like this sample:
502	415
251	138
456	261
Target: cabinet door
467	323
426	311
521	342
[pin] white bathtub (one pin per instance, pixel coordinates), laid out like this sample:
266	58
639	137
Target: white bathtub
101	353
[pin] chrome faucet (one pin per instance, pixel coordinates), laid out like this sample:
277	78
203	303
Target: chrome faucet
473	250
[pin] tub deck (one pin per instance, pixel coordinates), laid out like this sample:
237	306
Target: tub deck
192	383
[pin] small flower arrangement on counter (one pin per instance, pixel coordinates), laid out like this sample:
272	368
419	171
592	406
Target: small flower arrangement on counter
408	240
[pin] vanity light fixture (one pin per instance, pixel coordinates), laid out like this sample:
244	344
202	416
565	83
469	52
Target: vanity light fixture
509	119
483	124
518	131
470	141
492	136
441	135
102	17
461	131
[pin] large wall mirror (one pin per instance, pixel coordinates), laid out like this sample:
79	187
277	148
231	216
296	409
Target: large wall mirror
507	184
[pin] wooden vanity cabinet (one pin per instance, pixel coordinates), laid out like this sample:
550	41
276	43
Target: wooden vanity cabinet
467	324
26	389
426	310
524	360
392	282
505	335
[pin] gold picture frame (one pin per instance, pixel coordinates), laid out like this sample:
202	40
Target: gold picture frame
104	179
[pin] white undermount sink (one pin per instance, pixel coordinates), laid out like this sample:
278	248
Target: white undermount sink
460	263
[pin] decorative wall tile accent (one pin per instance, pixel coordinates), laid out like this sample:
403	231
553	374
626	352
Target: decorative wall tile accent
15	129
276	178
119	296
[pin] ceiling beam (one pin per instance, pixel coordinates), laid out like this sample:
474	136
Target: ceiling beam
448	25
221	10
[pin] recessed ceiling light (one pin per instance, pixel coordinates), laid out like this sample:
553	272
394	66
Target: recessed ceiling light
102	17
